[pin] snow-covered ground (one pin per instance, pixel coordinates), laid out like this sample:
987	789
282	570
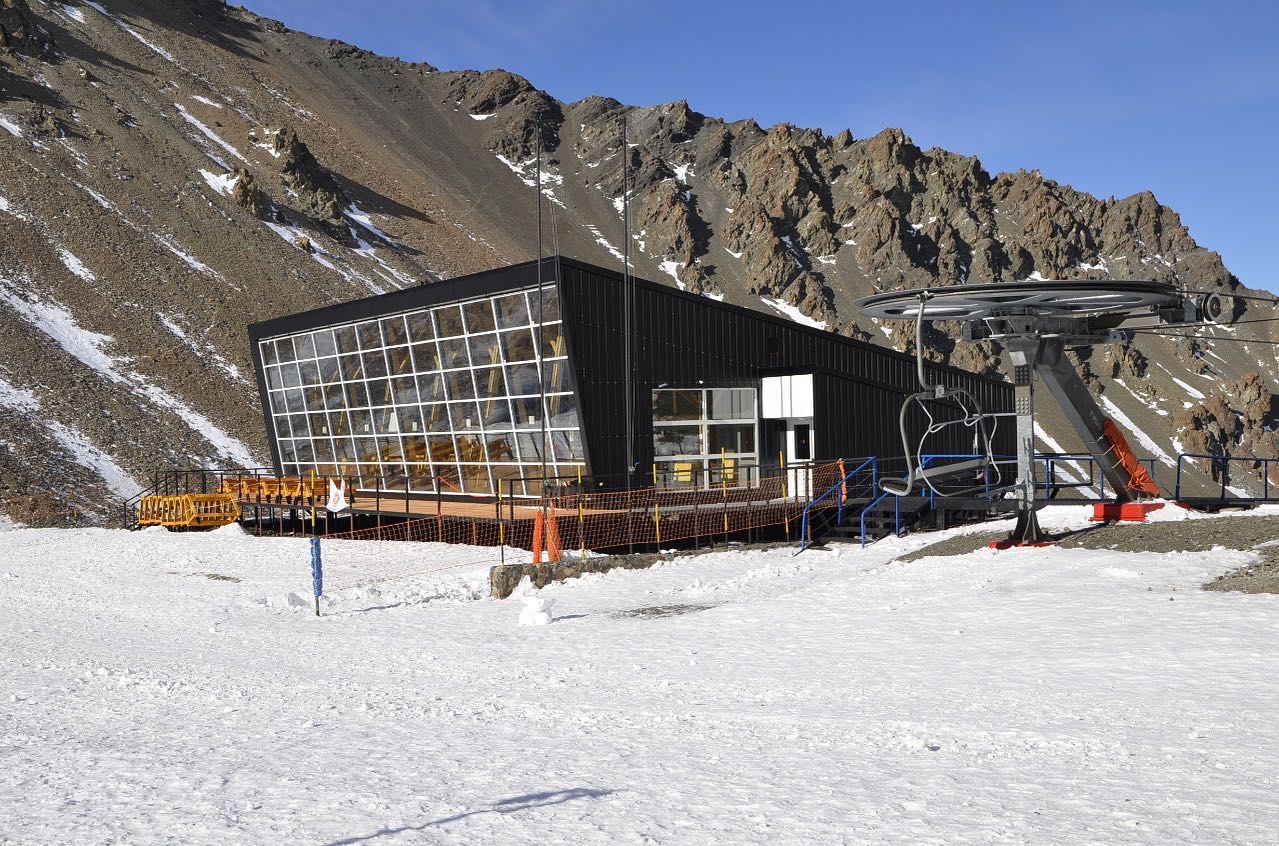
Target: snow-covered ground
1029	696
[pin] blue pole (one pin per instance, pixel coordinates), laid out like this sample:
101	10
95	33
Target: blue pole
317	573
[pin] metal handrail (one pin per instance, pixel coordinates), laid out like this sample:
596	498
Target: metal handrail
804	539
1224	462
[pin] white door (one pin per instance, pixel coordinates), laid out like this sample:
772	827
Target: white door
799	456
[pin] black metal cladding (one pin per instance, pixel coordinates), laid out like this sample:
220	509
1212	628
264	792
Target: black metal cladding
684	340
687	341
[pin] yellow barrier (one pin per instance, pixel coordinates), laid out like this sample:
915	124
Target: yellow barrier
201	511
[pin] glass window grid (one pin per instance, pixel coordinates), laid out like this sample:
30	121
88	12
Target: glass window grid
705	464
339	443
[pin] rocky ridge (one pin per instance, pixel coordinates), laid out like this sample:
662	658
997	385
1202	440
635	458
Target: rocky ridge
170	172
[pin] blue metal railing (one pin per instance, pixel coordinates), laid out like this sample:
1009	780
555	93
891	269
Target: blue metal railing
1221	467
838	488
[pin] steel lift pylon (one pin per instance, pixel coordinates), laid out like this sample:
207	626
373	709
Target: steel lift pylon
1038	322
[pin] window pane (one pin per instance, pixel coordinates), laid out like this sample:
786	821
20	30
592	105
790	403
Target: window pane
415	448
324	343
479	317
314	398
449	478
547	308
517	345
453	353
266	349
677	405
527	413
334	397
431	388
435	417
677	440
460	386
512	311
405	390
489	382
357	395
370	336
277	402
330	372
556	376
484	350
362	422
304	346
475	479
732	404
352	367
380	392
522	379
345	336
732	438
293	399
530	444
425	358
496	414
420	326
339	423
389	450
464	416
470	448
393	331
374	364
319	423
273	380
561	411
448	322
366	452
401	360
386	421
421	479
501	447
284	350
441	448
309	372
410	418
552	341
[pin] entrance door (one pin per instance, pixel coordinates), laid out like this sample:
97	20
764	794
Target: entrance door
799	456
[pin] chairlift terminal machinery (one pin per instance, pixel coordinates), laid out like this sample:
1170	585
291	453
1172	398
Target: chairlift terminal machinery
1037	322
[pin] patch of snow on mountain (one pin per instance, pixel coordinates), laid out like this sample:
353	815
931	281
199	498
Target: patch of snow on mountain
206	101
223	184
604	242
735	255
483	117
191	261
89	348
10	209
361	217
76	266
672	269
826	259
717	296
787	310
682	172
203	351
1190	389
10	127
208	133
1153	448
73	13
1143	400
73	441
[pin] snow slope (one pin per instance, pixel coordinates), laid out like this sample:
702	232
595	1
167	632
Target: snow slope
1029	696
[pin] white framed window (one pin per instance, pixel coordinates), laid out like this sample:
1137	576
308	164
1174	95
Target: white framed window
704	437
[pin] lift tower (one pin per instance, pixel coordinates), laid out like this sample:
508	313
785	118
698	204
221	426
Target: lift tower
1037	322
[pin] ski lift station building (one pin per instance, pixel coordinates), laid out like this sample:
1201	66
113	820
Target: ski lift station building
488	379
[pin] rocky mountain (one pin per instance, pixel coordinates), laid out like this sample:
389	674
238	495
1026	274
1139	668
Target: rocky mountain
172	171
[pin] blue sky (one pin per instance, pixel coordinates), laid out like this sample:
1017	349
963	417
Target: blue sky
1180	98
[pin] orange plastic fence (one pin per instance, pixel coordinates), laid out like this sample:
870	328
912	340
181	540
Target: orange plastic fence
611	520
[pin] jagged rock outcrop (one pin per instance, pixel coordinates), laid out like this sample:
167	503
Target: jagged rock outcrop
138	212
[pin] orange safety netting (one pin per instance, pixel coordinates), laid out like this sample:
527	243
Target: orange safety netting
563	523
1138	477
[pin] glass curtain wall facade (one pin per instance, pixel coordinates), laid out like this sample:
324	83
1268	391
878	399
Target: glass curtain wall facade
457	397
702	437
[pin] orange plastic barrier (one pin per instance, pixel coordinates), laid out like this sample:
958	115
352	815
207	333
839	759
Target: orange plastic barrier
195	511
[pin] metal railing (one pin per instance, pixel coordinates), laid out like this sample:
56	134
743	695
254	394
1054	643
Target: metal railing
840	489
1219	472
